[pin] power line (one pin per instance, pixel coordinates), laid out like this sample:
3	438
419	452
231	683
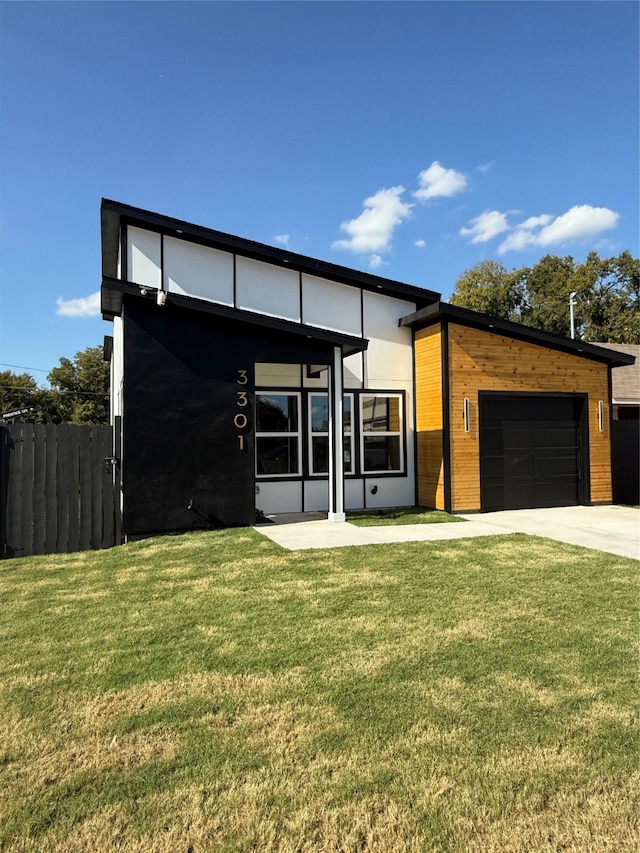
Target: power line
54	391
22	367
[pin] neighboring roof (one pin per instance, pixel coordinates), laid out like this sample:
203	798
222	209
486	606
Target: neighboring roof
465	317
626	380
115	213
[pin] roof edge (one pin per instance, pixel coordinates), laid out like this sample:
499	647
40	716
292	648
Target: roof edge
445	311
114	291
114	212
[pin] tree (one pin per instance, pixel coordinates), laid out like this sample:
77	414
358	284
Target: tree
606	291
547	288
80	388
21	391
612	313
491	289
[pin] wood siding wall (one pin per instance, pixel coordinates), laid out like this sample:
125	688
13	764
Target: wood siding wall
429	416
483	361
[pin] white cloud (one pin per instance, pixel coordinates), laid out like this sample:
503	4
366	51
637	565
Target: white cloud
486	167
487	225
581	222
375	261
420	244
438	181
283	239
517	241
84	306
373	229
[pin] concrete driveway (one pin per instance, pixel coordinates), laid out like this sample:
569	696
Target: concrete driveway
615	529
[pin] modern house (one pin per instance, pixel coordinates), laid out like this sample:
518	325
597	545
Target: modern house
247	378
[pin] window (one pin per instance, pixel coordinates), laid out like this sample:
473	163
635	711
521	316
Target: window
288	420
382	430
319	432
277	434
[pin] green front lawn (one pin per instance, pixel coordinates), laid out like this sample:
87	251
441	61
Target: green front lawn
214	692
399	515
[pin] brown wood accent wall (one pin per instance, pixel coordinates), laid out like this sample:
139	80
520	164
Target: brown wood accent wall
483	361
429	416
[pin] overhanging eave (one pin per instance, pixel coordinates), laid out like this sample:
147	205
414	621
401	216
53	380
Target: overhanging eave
114	292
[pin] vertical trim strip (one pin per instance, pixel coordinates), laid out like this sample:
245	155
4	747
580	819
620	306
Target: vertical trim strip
584	445
610	419
414	386
446	418
162	287
336	453
124	252
300	296
235	293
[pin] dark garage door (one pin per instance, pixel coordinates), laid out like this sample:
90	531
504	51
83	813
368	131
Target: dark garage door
530	451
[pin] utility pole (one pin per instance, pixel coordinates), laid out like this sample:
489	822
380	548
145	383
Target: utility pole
572	302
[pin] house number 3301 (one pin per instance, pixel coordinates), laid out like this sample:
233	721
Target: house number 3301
240	419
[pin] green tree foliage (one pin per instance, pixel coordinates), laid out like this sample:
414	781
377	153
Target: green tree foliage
547	287
491	289
20	391
613	312
607	295
80	388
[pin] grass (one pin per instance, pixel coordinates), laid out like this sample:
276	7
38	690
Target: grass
213	692
400	515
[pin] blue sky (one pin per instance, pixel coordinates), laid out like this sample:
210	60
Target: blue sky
410	139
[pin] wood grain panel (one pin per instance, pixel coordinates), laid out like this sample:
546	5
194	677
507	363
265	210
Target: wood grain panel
482	361
429	416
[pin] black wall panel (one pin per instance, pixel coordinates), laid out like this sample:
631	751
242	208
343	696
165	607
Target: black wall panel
188	431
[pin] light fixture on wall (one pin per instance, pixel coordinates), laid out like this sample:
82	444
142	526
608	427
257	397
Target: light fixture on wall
465	414
600	415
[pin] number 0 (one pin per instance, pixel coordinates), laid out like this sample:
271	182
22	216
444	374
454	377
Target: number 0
240	420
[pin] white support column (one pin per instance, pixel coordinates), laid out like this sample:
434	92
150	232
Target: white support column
336	442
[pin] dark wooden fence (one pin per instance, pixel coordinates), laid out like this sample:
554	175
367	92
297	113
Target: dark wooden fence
625	461
56	489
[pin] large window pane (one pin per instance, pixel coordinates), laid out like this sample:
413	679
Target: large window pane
346	413
319	413
382	436
277	456
380	413
319	429
382	453
320	454
276	413
277	434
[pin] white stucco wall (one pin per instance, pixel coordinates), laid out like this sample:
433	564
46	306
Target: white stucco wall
330	305
198	271
268	289
117	368
143	257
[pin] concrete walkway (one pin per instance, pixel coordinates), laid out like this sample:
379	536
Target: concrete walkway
608	528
